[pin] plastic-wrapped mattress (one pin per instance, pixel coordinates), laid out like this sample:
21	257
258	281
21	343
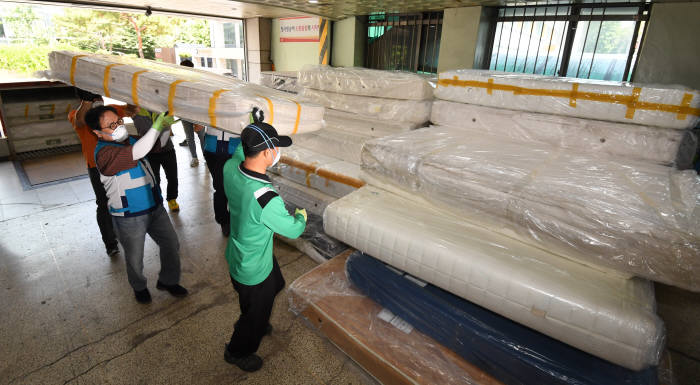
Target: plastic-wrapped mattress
512	353
633	141
198	96
280	80
326	174
650	105
23	113
366	82
414	111
604	315
634	217
345	121
343	145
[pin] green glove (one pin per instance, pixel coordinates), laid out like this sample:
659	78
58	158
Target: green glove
302	212
162	120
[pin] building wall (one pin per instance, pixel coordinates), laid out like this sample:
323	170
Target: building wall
459	39
291	56
349	40
670	52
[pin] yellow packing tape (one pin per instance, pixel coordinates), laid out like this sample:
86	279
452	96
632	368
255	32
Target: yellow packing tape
171	96
631	101
271	107
105	78
73	64
135	86
687	98
212	105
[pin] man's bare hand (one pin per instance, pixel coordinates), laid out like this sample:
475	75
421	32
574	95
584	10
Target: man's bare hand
130	110
198	127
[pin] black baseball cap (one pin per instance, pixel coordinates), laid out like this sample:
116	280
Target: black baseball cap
259	136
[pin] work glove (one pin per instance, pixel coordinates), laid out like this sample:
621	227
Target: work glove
257	115
162	120
302	212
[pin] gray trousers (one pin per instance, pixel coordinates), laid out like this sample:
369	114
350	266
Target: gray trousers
189	135
131	232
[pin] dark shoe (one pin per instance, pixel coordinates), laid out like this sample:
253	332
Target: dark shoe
113	251
175	290
249	363
268	331
183	143
226	229
143	296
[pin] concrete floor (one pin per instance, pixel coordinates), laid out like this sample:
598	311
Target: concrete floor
69	315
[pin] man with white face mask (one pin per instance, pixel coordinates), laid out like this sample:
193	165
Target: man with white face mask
257	212
135	201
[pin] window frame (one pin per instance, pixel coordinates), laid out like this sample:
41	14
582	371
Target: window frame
571	18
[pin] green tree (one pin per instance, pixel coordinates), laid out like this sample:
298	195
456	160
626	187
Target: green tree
89	30
25	24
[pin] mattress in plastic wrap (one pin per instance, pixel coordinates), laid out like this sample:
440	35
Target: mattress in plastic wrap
646	143
326	174
196	95
366	82
650	105
511	352
605	315
343	145
42	129
346	121
23	113
414	111
280	80
635	217
43	142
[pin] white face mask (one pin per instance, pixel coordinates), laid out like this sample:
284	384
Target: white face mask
120	133
277	156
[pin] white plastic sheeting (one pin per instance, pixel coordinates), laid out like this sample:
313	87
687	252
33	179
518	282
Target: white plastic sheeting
663	106
198	96
604	315
345	121
414	111
280	80
366	82
653	144
326	174
635	217
343	145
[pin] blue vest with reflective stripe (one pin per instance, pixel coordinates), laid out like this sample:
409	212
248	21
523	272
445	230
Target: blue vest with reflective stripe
220	142
130	192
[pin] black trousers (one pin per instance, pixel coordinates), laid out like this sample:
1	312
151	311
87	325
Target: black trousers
104	218
215	163
168	160
256	306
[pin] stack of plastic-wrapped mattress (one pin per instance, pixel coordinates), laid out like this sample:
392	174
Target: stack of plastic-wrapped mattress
196	95
533	216
37	124
363	104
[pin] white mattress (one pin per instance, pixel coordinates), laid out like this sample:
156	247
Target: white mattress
346	121
280	80
343	145
194	99
41	129
637	218
604	315
326	174
314	201
414	111
646	143
663	106
43	142
18	113
367	82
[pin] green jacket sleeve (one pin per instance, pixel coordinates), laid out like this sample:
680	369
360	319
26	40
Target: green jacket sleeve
277	219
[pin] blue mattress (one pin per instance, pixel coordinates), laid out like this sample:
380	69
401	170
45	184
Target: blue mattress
512	353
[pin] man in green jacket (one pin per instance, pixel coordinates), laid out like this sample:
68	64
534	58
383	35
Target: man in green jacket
257	212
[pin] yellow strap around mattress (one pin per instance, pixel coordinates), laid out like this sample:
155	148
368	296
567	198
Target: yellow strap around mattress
631	101
105	78
73	64
212	105
171	96
135	86
271	107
